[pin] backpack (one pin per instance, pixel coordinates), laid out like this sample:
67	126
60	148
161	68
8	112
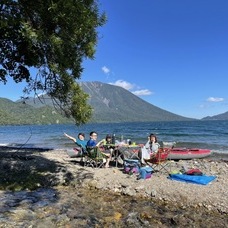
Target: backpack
131	166
145	172
195	172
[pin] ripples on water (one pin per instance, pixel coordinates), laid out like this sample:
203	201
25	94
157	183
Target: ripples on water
202	134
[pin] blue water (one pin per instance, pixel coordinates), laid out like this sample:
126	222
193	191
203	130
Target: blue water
201	134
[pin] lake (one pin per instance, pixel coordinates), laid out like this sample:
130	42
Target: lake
201	134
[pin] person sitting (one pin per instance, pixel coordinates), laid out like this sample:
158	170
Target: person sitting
151	148
107	142
80	141
107	145
92	143
152	144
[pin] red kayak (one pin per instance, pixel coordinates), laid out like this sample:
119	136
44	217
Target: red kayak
187	153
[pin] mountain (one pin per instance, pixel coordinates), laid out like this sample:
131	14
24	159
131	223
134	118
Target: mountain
223	116
116	104
110	103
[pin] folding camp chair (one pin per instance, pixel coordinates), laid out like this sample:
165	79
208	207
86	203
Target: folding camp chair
76	152
94	157
159	161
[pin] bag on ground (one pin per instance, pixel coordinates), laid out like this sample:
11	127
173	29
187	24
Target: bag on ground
145	172
195	172
131	166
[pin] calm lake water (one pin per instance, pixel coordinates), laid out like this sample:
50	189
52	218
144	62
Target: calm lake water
201	134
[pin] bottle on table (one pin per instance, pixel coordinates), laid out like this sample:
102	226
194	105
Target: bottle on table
113	139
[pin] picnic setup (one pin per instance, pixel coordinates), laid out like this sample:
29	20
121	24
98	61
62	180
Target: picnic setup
135	159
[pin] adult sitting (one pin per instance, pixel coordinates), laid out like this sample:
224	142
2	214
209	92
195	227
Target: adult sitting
151	147
152	144
93	143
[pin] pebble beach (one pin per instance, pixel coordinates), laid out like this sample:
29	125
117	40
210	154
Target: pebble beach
212	197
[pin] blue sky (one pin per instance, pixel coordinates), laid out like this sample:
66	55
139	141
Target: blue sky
171	53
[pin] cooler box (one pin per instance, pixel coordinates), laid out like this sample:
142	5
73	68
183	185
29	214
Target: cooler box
145	172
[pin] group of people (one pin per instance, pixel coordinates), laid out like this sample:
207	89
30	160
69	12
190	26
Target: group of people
92	142
152	146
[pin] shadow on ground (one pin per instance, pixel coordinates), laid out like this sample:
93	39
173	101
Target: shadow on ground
27	169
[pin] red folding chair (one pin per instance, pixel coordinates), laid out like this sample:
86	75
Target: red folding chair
159	161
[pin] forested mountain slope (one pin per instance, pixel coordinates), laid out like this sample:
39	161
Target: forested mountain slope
110	104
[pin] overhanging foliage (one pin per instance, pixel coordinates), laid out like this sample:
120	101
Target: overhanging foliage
54	36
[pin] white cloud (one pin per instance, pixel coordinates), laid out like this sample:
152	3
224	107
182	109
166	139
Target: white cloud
130	87
105	70
215	99
142	92
123	84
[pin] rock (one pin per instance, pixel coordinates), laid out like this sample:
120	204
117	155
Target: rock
153	193
139	188
92	184
128	191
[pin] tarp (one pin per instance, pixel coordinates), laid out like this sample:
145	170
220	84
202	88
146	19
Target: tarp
204	180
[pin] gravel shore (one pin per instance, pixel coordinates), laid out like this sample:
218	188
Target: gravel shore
213	196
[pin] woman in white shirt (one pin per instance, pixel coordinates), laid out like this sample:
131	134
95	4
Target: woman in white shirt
150	148
152	145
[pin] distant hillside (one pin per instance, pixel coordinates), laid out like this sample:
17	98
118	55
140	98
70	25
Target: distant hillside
19	113
110	103
223	116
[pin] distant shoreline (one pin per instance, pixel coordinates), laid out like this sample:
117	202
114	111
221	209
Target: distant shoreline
9	148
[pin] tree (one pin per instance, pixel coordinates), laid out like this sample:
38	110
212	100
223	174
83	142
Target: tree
54	37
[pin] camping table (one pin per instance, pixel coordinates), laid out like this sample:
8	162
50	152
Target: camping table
120	152
128	152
